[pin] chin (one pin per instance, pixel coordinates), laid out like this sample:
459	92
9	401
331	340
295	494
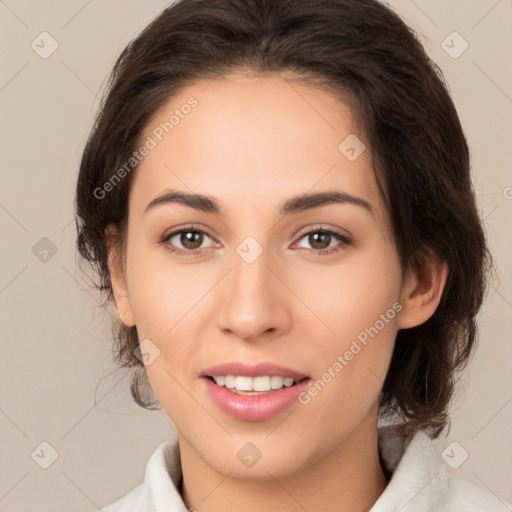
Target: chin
255	458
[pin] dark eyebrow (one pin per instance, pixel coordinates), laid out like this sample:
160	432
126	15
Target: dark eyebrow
293	205
196	201
307	201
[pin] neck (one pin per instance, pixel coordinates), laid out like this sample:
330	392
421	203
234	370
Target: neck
349	478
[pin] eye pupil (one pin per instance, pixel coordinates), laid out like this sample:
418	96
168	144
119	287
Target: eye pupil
189	239
321	238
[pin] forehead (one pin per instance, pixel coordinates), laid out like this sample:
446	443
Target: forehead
252	137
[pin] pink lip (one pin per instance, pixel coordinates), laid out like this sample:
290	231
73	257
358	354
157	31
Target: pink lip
253	407
253	370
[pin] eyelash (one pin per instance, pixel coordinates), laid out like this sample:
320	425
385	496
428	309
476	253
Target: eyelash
196	252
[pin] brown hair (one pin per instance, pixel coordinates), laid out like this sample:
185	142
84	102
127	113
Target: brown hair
363	51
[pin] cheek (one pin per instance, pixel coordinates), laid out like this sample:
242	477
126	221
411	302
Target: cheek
350	366
353	295
162	291
358	307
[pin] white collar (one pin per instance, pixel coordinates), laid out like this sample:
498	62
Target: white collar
419	482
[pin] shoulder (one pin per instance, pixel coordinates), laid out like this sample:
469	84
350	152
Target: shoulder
463	495
160	487
421	483
136	500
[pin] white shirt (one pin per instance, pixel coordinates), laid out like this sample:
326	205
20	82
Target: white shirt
419	482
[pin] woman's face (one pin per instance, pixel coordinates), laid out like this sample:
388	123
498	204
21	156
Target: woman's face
261	281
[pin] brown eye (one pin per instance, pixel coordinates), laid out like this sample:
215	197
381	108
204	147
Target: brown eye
187	240
191	239
320	241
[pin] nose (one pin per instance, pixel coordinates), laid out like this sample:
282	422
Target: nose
255	303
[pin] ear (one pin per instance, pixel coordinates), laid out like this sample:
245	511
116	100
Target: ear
422	293
118	277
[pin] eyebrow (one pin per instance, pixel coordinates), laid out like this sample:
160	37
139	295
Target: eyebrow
293	205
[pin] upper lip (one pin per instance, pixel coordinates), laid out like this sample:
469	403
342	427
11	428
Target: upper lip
252	370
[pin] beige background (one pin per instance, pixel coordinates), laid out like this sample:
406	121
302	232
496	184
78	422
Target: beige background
57	382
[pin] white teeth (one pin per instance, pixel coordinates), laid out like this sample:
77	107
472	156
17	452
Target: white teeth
276	382
229	381
243	383
287	382
258	384
261	384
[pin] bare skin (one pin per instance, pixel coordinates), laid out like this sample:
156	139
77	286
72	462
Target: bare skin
251	144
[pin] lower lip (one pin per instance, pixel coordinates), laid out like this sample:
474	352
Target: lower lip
254	407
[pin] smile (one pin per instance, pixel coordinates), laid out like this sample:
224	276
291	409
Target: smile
253	392
253	385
